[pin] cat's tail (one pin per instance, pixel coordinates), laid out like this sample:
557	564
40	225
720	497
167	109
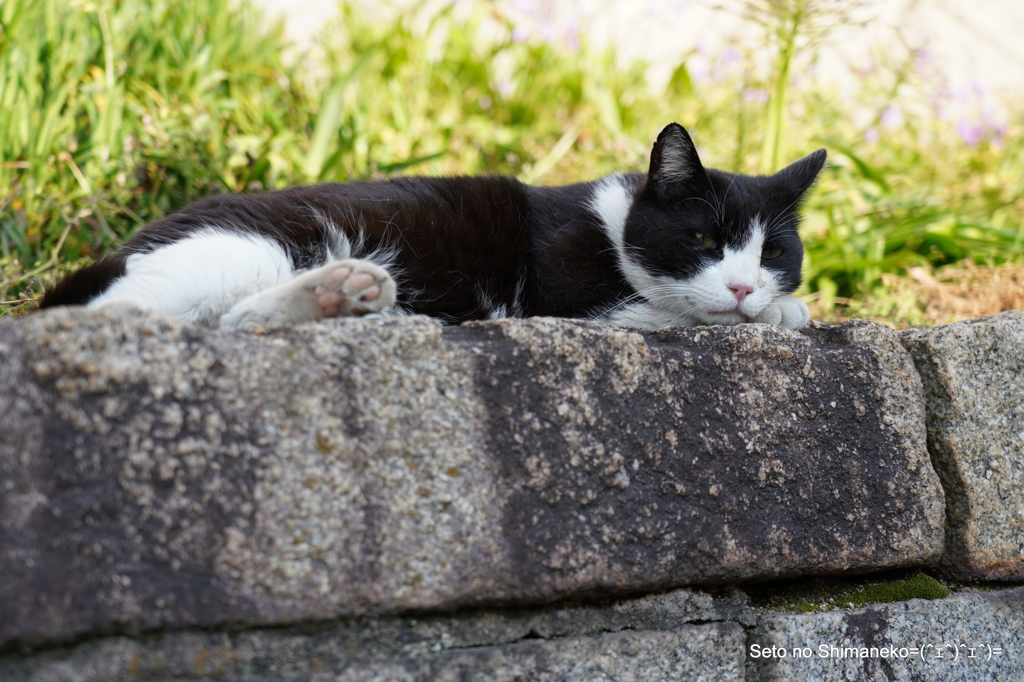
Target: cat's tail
83	285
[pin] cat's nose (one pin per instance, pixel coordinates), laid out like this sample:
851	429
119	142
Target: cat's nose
740	291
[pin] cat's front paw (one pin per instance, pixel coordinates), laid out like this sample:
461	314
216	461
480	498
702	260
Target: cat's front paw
352	287
786	311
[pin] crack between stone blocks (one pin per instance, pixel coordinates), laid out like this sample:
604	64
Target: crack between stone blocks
752	671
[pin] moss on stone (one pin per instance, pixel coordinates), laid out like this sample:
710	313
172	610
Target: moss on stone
803	607
918	586
821	594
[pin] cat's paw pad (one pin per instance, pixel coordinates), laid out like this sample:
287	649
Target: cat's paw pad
786	311
353	287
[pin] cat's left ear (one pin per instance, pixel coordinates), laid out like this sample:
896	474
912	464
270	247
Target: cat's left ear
799	176
674	162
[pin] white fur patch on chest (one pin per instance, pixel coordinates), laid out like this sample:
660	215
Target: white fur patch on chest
611	202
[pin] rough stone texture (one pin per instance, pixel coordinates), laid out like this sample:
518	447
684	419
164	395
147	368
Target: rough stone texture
404	649
433	644
661	637
972	375
695	652
991	624
158	476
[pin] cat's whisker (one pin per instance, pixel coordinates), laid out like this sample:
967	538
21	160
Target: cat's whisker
776	222
671	292
713	208
721	202
622	305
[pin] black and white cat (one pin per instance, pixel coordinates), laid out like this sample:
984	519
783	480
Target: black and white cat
681	245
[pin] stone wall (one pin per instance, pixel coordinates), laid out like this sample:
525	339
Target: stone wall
329	480
973	374
687	634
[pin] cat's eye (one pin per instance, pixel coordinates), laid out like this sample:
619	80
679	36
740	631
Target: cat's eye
707	241
771	252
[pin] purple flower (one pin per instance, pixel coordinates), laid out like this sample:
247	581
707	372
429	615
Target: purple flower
504	88
924	62
698	68
572	38
871	135
548	32
729	56
970	131
992	122
520	33
943	92
978	89
525	6
758	95
891	117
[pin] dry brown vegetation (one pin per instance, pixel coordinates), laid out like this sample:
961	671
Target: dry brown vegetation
927	297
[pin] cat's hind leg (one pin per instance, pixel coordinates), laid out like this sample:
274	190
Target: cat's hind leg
346	287
200	277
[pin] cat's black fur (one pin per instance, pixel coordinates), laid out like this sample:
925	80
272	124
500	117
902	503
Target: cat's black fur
454	238
450	234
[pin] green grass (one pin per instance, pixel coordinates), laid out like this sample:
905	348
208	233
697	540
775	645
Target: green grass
115	113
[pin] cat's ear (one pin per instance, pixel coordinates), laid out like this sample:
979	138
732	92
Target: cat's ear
674	162
799	176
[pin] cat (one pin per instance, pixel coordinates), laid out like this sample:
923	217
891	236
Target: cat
679	245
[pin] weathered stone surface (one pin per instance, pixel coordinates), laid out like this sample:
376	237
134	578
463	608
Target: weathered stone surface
332	648
366	646
398	649
972	375
652	612
694	652
159	476
986	625
661	644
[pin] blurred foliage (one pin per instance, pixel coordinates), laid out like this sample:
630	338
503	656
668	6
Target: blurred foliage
113	113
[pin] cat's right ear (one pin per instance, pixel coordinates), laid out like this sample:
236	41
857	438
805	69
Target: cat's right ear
674	162
800	176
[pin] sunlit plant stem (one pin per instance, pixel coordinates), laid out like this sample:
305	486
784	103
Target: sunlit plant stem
790	16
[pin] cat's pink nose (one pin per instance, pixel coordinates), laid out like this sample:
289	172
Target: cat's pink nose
740	291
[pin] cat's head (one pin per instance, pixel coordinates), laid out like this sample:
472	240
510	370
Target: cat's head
714	246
